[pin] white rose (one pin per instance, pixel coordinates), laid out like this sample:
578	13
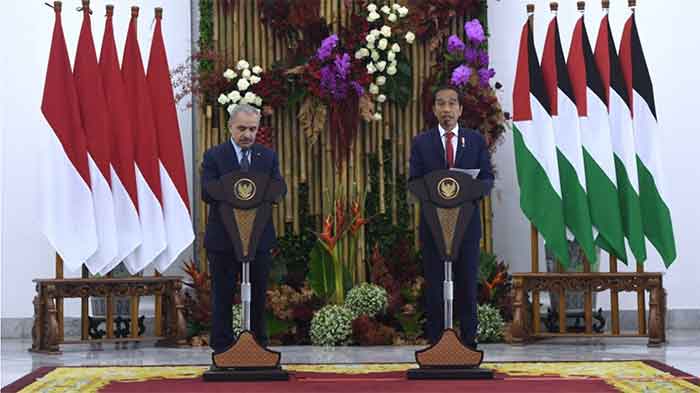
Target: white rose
375	55
255	79
242	64
373	16
381	80
223	99
392	17
371	69
257	69
403	11
393	64
365	52
246	73
377	116
381	65
383	43
230	108
396	6
410	37
230	74
374	89
386	9
372	7
243	84
381	98
370	38
358	55
234	96
396	48
391	70
386	31
370	45
249	96
375	33
258	101
391	56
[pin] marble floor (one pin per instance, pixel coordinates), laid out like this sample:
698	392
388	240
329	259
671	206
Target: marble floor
682	351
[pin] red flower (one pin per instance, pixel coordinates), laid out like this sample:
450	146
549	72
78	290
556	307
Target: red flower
326	235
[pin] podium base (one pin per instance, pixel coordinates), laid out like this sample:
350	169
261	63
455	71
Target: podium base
247	375
449	373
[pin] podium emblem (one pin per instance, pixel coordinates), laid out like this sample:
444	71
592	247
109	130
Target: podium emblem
448	188
244	189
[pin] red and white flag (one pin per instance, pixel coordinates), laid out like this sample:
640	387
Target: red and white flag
93	112
146	153
123	173
178	223
67	211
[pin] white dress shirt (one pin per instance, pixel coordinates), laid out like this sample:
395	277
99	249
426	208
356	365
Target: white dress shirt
239	153
443	139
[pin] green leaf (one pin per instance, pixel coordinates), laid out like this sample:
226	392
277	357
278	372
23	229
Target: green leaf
321	272
275	325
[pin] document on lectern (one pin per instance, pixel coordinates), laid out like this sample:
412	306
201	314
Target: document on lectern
471	172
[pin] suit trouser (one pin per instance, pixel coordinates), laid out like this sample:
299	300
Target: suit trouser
224	269
465	272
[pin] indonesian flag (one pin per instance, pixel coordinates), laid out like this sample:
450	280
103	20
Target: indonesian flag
656	216
148	186
535	150
178	223
93	112
121	139
567	136
622	139
67	211
598	160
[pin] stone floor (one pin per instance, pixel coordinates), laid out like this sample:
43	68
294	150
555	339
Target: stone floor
682	351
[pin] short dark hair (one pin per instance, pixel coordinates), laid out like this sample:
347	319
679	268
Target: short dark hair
460	95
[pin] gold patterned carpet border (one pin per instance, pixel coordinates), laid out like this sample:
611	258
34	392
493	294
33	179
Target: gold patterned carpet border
625	376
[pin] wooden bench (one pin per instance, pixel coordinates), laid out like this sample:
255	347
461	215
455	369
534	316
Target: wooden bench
525	328
47	330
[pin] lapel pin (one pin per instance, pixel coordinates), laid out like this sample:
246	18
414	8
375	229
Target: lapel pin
462	142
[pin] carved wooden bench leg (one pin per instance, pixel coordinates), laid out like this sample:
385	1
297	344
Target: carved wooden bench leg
37	326
656	314
519	330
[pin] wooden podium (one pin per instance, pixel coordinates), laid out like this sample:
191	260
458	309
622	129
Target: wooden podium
447	200
245	205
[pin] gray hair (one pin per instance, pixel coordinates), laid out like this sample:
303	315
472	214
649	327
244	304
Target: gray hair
235	109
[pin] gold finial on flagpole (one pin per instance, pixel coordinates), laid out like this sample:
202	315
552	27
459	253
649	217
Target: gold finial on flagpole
554	6
159	12
57	5
134	11
110	9
581	6
530	14
632	4
605	4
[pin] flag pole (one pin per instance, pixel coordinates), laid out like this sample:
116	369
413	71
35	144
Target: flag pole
534	236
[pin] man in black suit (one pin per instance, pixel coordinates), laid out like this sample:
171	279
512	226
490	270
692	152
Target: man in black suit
239	153
443	147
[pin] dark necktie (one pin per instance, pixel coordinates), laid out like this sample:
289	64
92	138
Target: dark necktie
449	150
245	161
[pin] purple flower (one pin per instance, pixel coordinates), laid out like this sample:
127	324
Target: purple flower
327	46
483	58
460	75
342	64
454	44
470	55
358	88
474	31
485	74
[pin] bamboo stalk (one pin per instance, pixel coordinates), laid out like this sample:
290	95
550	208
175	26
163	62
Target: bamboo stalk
215	21
241	41
296	166
391	133
235	40
614	301
288	158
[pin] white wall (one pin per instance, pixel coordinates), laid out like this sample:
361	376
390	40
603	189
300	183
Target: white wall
668	31
26	29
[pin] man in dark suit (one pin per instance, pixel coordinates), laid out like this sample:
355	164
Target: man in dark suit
450	146
239	153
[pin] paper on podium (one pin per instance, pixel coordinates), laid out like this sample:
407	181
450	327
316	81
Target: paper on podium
471	172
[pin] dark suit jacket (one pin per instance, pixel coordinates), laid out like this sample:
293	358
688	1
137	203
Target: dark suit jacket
220	160
428	154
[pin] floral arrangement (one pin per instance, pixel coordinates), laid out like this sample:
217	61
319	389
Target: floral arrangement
237	320
369	331
490	324
332	325
366	299
494	284
383	56
465	66
293	20
197	307
433	17
239	90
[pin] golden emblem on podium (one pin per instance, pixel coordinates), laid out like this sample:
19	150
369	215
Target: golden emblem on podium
448	188
244	189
